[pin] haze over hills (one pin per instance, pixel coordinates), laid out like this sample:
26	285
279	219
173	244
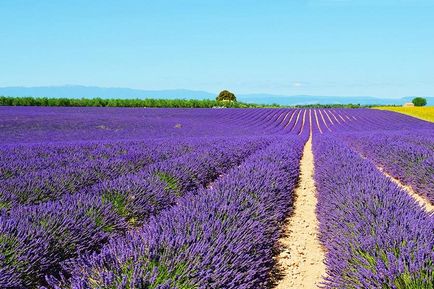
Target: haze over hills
78	91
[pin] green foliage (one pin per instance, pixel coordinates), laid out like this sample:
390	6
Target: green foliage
418	280
7	249
175	276
4	205
99	221
118	202
419	101
99	102
171	182
226	95
414	280
150	102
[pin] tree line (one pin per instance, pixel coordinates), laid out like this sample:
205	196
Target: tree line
101	102
152	102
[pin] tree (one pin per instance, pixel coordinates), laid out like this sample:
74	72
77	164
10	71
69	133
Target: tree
419	101
225	95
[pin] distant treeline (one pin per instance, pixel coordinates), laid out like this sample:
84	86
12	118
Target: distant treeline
101	102
350	105
151	102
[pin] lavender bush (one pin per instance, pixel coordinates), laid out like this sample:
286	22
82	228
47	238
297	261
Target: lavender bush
84	221
223	237
182	198
375	234
48	176
410	161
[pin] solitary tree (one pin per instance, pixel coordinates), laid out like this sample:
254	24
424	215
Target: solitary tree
225	95
419	101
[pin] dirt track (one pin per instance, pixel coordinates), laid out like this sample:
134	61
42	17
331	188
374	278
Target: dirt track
301	259
425	204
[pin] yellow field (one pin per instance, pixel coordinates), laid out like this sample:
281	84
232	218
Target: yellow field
425	113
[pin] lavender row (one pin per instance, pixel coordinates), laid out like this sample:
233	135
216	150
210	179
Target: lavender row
53	124
420	137
48	155
50	184
18	160
223	237
45	125
364	120
159	186
403	159
375	234
35	239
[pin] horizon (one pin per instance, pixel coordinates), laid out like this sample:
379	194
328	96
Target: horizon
198	91
346	48
92	92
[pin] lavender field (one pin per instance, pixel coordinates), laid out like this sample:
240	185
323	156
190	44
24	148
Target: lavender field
201	198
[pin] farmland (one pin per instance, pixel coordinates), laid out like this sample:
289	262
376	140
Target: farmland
425	113
215	198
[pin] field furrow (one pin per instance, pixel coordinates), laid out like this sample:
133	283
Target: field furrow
300	263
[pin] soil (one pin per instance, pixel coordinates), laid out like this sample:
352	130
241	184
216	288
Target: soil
301	260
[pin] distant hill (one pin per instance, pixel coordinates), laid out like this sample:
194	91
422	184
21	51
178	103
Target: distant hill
77	91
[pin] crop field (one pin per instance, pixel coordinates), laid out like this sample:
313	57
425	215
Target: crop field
215	198
425	113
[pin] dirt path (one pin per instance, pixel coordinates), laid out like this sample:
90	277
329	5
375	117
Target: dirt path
301	260
425	204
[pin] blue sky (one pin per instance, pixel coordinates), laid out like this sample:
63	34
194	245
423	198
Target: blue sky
318	47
